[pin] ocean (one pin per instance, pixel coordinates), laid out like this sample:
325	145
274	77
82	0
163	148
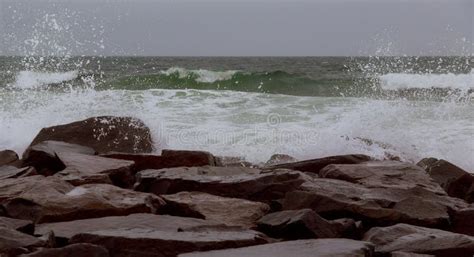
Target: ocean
253	107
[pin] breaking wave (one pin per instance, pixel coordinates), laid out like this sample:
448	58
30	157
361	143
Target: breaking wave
35	79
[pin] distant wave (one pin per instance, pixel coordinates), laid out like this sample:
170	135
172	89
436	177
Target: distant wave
201	75
398	81
35	79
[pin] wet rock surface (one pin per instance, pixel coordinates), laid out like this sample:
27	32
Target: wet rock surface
315	165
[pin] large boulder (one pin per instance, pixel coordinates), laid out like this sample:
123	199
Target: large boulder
62	202
13	243
14	172
44	155
229	211
74	250
409	238
315	165
103	134
300	248
8	157
277	159
237	182
454	180
168	159
89	169
14	187
297	224
332	199
152	235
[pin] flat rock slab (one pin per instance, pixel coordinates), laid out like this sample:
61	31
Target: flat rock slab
74	250
236	182
51	204
404	254
44	155
14	187
332	199
297	224
383	174
454	180
168	159
13	243
25	226
88	169
315	165
14	172
463	221
409	238
300	248
104	134
229	211
152	235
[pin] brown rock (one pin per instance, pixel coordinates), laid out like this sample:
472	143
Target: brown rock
382	174
14	172
403	254
409	238
44	155
13	243
149	235
103	134
25	226
298	224
315	165
246	183
347	228
454	180
8	157
51	204
168	159
74	250
228	211
463	221
299	248
11	188
88	169
334	199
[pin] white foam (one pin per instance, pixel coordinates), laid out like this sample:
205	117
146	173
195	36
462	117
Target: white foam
35	79
254	125
204	76
395	81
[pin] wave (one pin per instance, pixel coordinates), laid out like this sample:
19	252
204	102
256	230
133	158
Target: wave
35	79
201	75
397	81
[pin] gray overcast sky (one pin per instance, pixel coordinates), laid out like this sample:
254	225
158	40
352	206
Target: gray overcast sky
237	28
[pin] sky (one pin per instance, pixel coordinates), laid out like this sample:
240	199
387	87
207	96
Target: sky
237	28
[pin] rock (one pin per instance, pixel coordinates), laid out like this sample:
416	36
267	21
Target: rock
382	174
279	159
148	234
88	169
246	183
8	157
14	187
463	221
454	180
333	199
44	155
315	165
168	159
403	254
13	243
413	239
298	224
24	226
228	211
299	248
74	250
41	204
14	172
347	228
103	134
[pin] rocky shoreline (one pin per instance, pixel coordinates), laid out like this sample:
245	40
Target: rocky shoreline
94	188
